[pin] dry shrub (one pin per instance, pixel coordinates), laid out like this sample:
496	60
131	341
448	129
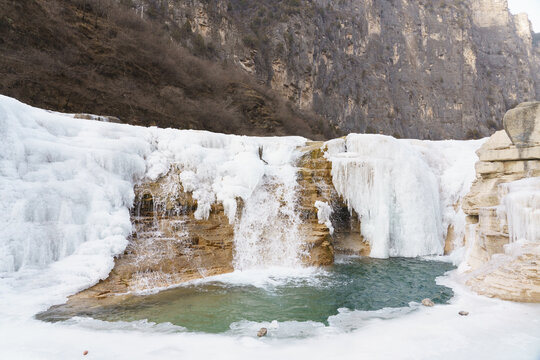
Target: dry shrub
99	56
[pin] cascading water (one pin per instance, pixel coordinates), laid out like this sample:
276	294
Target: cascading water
260	172
151	241
267	233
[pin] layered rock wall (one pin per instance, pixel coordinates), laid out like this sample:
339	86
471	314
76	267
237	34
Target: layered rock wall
497	266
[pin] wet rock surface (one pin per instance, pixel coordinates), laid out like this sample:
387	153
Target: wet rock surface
168	245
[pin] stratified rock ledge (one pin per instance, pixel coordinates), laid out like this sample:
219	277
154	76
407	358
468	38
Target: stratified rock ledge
495	269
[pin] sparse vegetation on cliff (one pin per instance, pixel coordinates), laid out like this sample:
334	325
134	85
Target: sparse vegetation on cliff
99	56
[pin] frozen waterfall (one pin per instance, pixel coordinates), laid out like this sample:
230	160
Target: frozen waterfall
67	187
405	192
520	209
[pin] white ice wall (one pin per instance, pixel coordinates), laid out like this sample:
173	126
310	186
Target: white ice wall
404	191
520	209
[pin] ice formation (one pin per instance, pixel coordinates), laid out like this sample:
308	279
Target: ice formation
404	191
324	211
66	189
67	186
520	209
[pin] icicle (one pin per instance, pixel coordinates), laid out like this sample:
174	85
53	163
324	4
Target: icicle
404	191
520	209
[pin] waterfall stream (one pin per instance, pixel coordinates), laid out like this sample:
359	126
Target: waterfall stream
267	233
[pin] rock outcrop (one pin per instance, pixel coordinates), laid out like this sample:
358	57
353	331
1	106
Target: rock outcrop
418	69
501	262
315	179
522	124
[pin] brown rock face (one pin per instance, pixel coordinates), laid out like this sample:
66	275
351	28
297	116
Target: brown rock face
168	245
315	179
514	280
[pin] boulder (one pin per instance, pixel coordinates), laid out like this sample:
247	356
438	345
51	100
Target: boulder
427	302
262	332
522	124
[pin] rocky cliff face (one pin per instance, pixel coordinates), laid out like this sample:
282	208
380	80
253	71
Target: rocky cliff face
100	57
422	69
504	249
